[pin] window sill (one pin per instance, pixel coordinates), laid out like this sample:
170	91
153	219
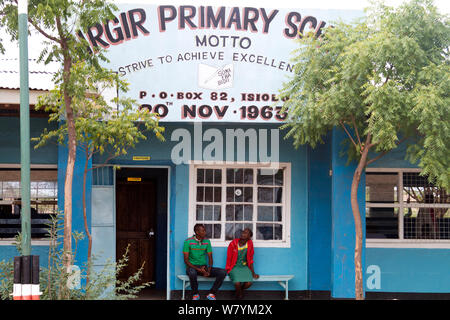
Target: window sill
408	244
34	242
265	244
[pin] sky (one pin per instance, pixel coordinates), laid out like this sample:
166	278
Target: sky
443	5
34	42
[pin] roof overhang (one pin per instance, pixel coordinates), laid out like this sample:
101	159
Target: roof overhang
12	96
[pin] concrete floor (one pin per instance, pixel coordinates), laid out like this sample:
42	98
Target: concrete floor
156	294
152	294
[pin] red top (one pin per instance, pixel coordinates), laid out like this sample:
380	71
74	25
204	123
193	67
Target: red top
232	254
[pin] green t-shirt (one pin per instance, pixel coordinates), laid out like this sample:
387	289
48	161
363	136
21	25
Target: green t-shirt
197	250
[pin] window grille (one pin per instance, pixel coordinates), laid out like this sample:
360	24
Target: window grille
403	205
43	201
229	199
103	176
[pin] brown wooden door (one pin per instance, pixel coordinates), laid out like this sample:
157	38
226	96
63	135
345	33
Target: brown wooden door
135	226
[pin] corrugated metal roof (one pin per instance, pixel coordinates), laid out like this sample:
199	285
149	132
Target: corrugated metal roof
39	78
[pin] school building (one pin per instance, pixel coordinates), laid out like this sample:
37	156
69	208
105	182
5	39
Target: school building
213	74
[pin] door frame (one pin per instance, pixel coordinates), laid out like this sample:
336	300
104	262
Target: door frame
168	291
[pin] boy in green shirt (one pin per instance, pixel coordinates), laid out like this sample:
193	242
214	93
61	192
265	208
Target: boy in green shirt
195	250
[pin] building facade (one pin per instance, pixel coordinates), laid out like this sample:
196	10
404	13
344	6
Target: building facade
213	74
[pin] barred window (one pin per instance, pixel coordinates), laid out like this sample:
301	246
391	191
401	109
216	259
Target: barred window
403	205
43	201
230	198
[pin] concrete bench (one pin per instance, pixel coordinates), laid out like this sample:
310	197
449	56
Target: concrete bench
281	279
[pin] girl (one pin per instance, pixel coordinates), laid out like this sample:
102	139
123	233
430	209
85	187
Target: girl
240	262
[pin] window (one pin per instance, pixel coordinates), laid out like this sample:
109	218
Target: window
44	195
402	205
228	199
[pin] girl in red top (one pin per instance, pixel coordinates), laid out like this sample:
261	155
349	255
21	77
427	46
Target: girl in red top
240	262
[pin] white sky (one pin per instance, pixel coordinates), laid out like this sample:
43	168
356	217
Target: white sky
443	5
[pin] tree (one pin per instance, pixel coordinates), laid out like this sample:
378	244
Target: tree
57	21
383	79
100	129
114	137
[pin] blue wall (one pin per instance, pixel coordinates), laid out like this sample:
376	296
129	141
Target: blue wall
10	141
408	269
9	252
80	247
322	245
322	230
411	270
393	159
319	218
295	256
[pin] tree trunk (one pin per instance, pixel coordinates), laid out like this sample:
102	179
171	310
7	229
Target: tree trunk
86	227
359	292
68	192
72	148
72	151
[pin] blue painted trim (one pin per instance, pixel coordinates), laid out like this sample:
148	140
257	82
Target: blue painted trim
171	244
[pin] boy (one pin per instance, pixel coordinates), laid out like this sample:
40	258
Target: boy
195	250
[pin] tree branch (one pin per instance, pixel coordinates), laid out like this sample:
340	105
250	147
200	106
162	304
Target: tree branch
387	76
381	154
376	158
356	130
349	135
45	34
105	163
